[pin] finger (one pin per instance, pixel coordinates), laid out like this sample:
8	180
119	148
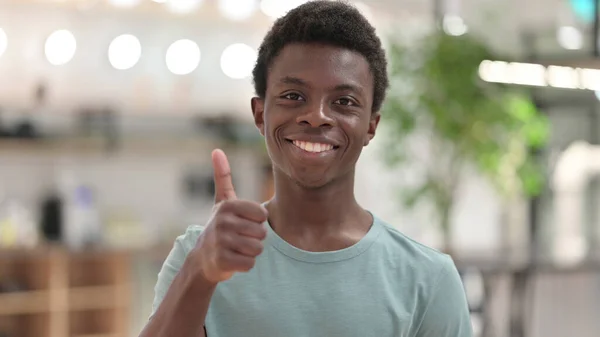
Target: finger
250	229
235	224
232	261
246	209
244	245
222	173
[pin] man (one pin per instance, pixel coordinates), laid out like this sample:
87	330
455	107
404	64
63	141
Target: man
311	261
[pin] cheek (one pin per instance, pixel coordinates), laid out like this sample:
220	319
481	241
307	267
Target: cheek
272	137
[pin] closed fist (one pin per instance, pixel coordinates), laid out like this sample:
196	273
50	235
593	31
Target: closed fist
233	236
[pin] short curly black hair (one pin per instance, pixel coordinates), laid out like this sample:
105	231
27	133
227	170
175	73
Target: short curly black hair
333	23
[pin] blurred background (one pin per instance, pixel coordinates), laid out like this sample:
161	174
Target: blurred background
488	150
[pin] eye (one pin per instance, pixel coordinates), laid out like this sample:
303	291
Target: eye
293	96
345	102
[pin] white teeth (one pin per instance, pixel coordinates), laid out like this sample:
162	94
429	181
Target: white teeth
313	147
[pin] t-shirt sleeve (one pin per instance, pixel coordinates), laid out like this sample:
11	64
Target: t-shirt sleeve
173	263
447	314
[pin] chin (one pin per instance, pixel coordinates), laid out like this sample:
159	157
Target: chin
311	183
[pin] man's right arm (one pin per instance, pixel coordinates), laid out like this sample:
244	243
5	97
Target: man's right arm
200	259
182	297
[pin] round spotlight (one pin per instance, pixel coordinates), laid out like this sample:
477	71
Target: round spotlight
454	25
278	8
60	47
125	3
183	57
3	41
183	6
570	38
237	10
124	51
238	60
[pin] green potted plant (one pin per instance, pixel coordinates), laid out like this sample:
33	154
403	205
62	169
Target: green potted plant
462	123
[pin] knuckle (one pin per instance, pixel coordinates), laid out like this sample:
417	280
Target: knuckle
261	232
224	220
221	258
258	248
264	213
223	240
250	264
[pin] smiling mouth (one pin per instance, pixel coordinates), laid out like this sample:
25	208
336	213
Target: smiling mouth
313	147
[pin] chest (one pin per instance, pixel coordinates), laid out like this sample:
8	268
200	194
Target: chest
311	300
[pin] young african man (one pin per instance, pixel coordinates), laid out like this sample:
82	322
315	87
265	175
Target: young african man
310	261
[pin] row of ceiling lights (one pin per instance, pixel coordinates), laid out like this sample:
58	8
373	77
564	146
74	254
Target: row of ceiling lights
538	75
568	37
232	9
124	52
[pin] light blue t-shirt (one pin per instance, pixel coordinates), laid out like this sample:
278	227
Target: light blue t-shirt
386	285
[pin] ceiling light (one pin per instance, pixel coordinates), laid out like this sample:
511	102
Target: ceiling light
454	25
124	51
237	10
124	3
278	8
60	47
183	57
237	60
183	6
570	38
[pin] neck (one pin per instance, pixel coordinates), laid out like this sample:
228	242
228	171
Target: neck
299	210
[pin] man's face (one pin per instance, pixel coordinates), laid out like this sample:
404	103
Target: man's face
316	115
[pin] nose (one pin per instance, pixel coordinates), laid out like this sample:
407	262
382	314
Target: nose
316	115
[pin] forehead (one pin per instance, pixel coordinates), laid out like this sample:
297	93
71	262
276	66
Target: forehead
321	65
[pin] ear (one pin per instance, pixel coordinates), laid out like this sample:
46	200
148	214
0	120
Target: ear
373	122
258	110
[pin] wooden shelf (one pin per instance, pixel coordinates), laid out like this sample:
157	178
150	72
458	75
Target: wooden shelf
85	294
21	303
97	297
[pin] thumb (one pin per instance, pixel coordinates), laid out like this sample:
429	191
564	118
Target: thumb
222	172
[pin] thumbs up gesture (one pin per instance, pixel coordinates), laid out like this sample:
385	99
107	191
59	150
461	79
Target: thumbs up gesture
233	236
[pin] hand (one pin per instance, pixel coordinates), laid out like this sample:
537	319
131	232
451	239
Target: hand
233	236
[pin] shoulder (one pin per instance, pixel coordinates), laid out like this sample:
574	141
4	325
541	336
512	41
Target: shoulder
407	250
182	246
441	308
186	241
413	262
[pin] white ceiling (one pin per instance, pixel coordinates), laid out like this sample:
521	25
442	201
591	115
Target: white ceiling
89	78
499	21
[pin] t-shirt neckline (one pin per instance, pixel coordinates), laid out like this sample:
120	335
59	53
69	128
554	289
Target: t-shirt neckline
324	257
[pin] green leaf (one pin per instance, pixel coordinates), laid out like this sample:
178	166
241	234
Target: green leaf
436	89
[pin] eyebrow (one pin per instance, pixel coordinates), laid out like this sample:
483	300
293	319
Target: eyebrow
293	80
303	83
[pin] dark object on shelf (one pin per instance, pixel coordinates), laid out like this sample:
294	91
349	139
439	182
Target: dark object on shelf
100	121
11	286
3	131
222	127
198	186
25	129
52	217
